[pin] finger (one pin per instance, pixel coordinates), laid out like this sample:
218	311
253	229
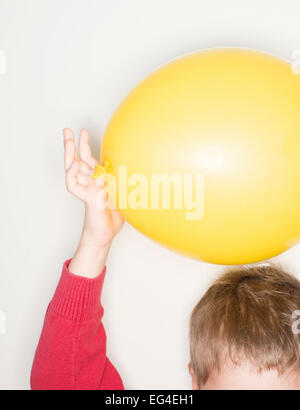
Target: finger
72	183
83	179
68	134
101	181
85	169
85	150
70	147
70	150
102	202
118	219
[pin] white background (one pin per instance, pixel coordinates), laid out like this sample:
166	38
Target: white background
68	64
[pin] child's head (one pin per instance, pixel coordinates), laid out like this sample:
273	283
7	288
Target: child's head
243	332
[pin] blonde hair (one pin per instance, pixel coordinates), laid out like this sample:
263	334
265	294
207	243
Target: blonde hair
246	315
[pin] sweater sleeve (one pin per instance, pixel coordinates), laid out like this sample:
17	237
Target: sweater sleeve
71	354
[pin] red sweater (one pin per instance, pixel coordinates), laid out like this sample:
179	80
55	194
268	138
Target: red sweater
71	354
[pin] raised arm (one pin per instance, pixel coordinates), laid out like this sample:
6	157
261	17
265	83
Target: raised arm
72	349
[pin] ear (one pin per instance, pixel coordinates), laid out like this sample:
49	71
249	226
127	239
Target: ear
194	379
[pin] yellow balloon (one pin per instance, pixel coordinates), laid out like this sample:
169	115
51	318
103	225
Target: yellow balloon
225	125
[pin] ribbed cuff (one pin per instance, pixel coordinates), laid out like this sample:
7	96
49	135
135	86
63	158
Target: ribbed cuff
77	298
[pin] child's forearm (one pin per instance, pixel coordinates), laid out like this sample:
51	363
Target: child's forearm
90	257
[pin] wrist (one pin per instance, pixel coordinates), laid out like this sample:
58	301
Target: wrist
89	260
97	229
95	242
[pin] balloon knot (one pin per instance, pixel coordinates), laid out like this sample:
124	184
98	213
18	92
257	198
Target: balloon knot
101	169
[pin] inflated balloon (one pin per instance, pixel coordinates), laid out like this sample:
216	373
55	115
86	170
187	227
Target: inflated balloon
205	153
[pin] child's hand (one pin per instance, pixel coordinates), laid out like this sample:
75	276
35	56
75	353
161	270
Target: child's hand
101	223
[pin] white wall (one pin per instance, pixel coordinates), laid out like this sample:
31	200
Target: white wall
69	63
